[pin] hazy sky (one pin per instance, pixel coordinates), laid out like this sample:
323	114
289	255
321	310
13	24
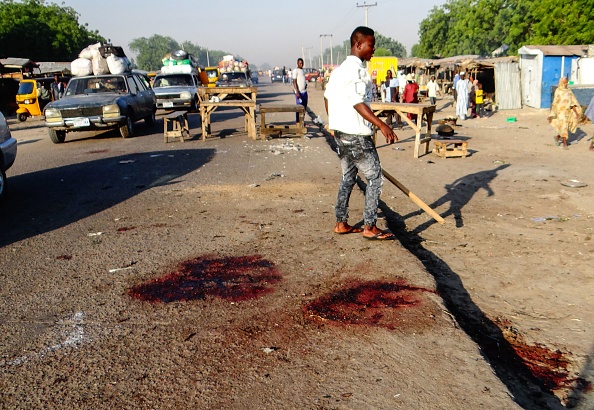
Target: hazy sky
260	31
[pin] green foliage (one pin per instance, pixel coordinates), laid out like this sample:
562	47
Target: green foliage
42	32
480	26
382	52
150	52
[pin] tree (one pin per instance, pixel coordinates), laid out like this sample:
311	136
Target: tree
480	26
151	51
42	32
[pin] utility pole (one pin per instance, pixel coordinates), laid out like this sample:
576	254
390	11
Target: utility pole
322	50
366	10
309	53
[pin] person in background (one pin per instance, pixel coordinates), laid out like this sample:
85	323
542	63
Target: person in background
387	95
462	87
401	84
590	114
300	87
479	99
456	79
472	97
433	90
565	112
411	94
57	88
44	96
347	98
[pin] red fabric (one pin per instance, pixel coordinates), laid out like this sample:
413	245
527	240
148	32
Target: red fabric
410	93
411	96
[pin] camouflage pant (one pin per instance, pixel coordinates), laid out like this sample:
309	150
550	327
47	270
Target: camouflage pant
358	153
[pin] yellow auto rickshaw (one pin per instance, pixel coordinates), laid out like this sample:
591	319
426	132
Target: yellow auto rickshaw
32	95
212	76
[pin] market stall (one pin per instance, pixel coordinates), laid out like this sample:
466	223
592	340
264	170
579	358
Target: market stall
212	98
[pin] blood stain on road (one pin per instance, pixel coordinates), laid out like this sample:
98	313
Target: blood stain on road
230	278
369	303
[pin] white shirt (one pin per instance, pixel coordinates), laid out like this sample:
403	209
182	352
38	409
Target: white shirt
432	89
299	75
349	85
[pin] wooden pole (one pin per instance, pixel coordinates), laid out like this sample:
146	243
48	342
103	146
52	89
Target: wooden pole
413	197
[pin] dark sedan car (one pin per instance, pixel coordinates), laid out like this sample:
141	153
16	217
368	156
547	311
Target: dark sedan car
101	102
8	151
277	76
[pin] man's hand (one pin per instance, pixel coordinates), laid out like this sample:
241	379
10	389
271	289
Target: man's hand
389	133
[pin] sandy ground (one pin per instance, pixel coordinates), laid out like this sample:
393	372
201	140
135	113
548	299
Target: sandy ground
206	275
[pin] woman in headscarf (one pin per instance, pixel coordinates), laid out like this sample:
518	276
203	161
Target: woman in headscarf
590	114
565	112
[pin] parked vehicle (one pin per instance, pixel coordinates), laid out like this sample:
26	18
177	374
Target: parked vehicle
311	74
8	151
211	76
234	79
101	102
277	76
30	99
177	91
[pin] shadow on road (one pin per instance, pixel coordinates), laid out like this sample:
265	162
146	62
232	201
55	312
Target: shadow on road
527	390
42	201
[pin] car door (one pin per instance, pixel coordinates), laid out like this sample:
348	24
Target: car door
148	95
134	97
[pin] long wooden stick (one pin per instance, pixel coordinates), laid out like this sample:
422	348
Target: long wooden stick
413	197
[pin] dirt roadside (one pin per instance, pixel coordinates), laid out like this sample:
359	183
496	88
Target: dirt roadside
272	310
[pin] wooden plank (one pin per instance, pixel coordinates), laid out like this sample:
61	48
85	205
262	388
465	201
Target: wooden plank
413	197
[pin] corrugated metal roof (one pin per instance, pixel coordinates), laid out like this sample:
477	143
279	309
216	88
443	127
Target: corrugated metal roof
17	62
571	50
54	67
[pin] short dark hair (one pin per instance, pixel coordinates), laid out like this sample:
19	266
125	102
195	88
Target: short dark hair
360	32
300	59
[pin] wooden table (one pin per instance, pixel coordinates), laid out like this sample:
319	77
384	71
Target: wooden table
175	125
297	129
212	98
422	110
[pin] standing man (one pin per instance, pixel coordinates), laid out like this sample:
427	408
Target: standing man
300	86
347	98
401	84
462	87
433	90
388	95
57	88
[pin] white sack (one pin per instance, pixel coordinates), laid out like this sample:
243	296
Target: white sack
86	52
117	65
99	63
81	66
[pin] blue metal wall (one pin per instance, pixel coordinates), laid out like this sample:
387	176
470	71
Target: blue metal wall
551	73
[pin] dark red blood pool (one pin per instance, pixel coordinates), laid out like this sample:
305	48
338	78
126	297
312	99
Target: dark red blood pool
371	303
230	278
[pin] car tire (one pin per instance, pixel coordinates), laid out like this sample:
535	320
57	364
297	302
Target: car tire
2	183
23	117
57	136
127	130
150	120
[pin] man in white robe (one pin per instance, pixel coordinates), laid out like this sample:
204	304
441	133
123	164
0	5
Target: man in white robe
462	87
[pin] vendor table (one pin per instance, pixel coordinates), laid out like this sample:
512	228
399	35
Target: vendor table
212	98
298	128
422	110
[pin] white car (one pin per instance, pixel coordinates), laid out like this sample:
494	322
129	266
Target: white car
8	150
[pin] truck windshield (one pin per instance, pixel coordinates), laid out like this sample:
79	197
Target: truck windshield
173	80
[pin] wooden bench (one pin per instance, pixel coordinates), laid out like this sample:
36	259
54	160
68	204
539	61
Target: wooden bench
175	125
298	129
445	148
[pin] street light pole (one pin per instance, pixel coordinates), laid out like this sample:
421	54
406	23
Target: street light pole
321	53
309	53
366	10
322	50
